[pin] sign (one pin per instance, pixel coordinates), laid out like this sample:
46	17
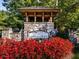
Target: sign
38	35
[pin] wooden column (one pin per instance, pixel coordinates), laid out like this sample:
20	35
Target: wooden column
26	17
51	17
43	17
34	16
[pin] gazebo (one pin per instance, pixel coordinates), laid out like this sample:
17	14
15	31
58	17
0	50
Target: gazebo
38	19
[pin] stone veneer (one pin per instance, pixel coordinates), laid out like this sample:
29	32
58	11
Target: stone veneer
34	26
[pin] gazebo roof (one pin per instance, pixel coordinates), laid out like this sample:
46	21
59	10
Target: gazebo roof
38	9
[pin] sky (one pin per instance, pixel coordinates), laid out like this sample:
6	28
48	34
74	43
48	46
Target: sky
2	7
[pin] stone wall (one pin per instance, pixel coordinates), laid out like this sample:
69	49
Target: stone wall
34	26
28	27
5	33
8	33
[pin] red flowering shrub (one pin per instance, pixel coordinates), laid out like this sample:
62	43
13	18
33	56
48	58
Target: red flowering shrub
54	48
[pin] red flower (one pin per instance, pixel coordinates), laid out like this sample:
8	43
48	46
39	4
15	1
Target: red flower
54	48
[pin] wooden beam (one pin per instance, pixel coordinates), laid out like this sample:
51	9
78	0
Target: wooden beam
38	10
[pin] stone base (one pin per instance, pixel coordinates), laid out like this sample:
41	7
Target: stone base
37	26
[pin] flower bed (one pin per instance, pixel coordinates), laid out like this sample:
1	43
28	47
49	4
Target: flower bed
55	48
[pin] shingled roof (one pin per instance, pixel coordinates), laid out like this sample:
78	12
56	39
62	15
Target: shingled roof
38	9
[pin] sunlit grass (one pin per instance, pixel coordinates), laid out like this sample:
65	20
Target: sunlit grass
76	56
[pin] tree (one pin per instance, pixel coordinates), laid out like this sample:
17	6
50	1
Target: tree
14	18
3	16
69	16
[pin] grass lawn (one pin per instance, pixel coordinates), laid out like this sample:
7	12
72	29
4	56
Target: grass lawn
76	53
76	56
